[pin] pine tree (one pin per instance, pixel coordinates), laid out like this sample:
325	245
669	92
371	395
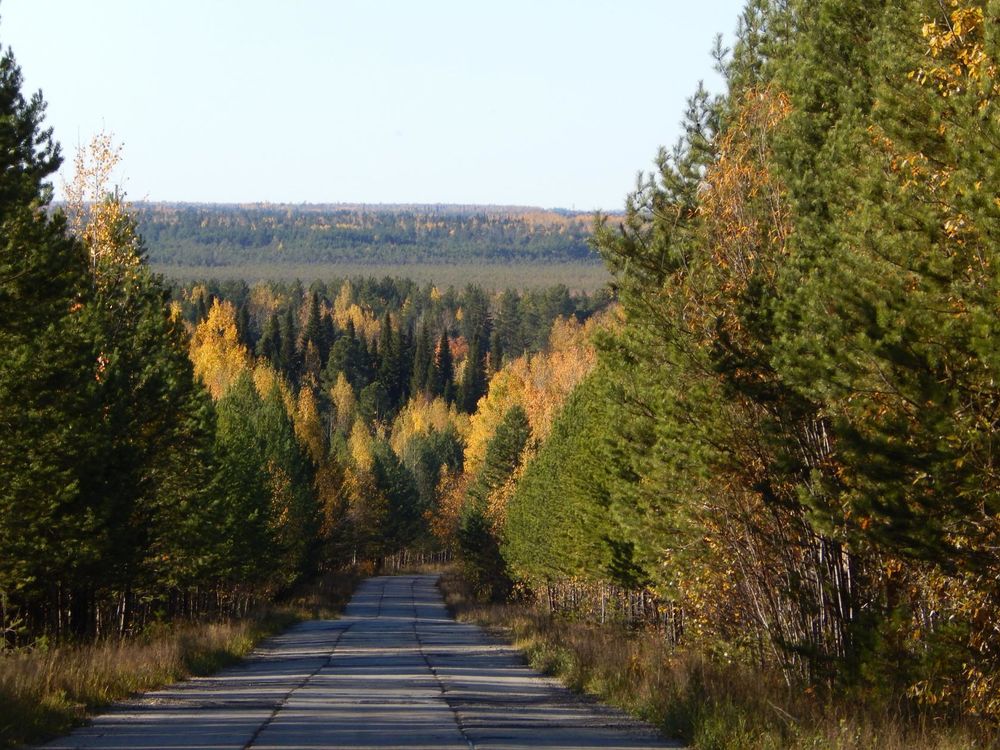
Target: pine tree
559	524
251	555
47	435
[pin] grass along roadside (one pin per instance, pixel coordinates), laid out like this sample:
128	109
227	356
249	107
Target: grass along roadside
45	693
710	704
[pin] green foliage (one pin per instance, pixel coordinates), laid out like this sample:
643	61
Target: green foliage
48	528
478	539
269	345
579	277
405	511
795	420
559	522
243	480
349	356
126	495
427	455
273	518
442	382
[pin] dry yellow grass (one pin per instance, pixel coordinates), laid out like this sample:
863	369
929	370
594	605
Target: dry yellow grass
701	700
46	691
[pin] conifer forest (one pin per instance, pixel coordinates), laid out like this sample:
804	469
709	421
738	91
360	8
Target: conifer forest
771	439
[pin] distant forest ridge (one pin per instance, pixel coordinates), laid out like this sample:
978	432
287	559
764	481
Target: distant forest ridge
213	235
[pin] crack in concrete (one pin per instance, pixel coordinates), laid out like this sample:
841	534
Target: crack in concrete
433	671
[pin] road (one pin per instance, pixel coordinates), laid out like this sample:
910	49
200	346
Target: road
394	672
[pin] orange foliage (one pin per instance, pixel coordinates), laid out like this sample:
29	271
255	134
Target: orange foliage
744	238
443	518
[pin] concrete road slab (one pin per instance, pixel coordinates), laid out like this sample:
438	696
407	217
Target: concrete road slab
394	672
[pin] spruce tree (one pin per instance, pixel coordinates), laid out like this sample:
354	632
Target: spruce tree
310	331
423	362
327	336
508	339
270	344
478	540
390	367
290	356
244	327
443	381
473	385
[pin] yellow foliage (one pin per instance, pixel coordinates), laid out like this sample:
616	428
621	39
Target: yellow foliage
331	494
100	216
451	491
344	403
506	389
262	303
345	309
359	445
266	379
499	499
308	428
342	303
538	383
216	351
421	416
958	54
198	291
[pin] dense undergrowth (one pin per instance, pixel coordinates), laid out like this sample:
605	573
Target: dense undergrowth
48	690
701	698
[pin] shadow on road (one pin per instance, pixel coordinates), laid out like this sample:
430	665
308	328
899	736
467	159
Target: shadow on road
394	672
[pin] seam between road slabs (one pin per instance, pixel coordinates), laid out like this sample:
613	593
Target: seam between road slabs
283	702
433	671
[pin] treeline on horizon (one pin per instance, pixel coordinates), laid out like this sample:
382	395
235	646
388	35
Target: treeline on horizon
233	235
789	437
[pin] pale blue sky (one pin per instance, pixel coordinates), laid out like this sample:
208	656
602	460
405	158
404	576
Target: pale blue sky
545	103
